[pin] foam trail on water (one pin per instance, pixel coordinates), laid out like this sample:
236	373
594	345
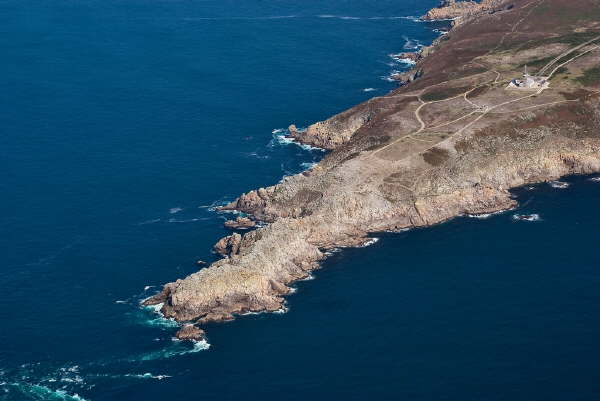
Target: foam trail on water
176	349
369	89
147	376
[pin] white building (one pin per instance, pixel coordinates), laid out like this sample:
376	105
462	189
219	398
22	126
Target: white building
529	82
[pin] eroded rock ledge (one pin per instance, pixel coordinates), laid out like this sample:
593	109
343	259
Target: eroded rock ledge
452	143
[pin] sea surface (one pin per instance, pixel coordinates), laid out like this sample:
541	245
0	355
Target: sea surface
124	123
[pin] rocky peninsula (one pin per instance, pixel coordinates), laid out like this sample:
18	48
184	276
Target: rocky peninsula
451	141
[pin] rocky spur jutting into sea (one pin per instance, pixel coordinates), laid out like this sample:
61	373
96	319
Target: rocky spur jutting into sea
129	125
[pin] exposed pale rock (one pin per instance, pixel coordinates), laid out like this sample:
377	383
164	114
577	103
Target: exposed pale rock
190	332
240	223
451	9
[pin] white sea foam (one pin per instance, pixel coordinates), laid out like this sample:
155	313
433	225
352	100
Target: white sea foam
174	210
403	60
406	61
147	376
595	179
411	44
216	204
160	320
146	288
41	392
390	77
155	308
183	221
369	89
308	278
308	165
281	311
120	301
255	155
332	251
410	18
401	230
559	184
485	215
177	348
369	242
527	217
280	137
143	223
342	17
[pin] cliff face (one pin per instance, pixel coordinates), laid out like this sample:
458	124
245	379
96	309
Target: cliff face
452	142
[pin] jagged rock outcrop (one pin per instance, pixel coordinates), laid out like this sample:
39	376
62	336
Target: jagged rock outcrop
452	9
412	56
190	332
404	78
240	223
228	246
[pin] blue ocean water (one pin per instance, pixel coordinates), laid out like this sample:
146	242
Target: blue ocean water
124	122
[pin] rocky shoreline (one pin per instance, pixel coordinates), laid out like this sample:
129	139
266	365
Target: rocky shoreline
451	141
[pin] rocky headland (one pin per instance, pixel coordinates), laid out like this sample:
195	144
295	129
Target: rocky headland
452	141
457	9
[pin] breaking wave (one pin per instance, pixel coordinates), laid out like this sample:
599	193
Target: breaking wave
485	215
559	184
370	242
527	217
411	44
157	319
390	76
174	210
308	165
280	137
401	60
